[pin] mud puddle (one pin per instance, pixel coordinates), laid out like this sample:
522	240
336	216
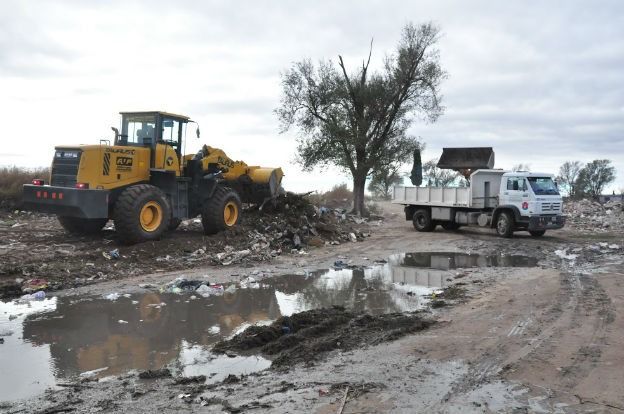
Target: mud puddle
451	260
62	339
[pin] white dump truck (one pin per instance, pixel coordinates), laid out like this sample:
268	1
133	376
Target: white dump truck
503	200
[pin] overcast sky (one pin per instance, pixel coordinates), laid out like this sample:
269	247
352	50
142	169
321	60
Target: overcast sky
541	82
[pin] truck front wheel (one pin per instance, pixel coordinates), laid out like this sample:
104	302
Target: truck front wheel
82	226
422	220
505	225
141	213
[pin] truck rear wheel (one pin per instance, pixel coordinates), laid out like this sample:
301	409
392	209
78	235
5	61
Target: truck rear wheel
141	213
222	211
422	220
505	225
82	226
537	233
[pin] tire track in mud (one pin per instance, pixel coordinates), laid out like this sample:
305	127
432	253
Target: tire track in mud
560	332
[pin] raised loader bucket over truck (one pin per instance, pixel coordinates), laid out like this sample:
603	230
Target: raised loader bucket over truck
467	160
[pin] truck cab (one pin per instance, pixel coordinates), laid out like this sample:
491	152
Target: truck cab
534	200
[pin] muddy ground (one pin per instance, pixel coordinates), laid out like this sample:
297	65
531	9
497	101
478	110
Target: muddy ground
537	339
34	247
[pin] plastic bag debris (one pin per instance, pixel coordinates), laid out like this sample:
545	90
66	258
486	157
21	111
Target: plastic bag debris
113	254
112	296
33	285
563	254
35	296
213	290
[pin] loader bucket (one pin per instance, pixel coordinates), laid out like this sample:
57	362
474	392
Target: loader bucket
467	158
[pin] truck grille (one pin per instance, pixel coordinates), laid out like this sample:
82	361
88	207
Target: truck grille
65	167
551	207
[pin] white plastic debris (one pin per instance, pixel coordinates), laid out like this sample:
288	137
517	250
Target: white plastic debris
112	296
122	321
563	254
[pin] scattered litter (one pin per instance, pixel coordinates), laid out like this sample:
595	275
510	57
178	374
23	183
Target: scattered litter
122	321
35	296
33	285
563	254
113	254
112	296
213	290
92	373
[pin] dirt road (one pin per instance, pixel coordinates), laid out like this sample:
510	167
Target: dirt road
523	339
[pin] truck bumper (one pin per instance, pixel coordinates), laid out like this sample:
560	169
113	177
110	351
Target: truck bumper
546	222
64	201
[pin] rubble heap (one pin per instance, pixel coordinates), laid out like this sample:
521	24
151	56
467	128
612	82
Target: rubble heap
591	216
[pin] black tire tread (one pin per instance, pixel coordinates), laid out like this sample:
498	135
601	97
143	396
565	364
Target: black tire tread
212	210
126	224
510	230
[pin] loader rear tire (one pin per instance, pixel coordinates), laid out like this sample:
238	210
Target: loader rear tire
222	211
82	226
142	213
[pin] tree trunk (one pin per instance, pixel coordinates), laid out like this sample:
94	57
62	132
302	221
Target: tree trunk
359	183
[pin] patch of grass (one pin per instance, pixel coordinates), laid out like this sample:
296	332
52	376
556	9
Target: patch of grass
12	179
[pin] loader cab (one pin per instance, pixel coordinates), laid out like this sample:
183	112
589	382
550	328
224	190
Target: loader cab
147	129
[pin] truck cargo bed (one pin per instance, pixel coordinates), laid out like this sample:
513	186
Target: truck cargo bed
434	196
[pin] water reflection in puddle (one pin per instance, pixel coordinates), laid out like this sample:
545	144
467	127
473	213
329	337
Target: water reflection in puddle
58	339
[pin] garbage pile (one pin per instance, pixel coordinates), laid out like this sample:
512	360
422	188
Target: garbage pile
591	216
291	222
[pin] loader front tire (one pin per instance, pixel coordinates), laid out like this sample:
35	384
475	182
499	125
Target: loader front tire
82	226
142	213
222	211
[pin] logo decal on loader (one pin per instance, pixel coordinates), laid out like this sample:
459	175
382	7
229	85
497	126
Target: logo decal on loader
169	161
124	163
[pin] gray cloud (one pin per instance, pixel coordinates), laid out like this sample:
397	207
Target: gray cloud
543	80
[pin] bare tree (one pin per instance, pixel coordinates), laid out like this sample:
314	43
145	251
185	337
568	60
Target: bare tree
383	180
359	121
594	177
438	177
568	173
521	167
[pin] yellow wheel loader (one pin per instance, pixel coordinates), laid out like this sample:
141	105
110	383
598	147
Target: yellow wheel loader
145	184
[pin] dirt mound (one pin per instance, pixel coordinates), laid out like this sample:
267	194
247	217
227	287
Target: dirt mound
306	336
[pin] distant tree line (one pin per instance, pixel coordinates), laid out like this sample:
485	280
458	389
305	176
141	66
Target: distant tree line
585	181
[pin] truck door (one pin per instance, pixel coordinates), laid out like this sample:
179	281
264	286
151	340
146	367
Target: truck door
517	193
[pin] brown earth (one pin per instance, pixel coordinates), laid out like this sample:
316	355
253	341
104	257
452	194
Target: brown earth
542	339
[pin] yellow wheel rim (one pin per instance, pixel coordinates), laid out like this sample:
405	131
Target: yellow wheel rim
230	213
151	216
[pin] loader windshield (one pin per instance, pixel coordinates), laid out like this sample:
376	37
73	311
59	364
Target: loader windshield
543	186
139	128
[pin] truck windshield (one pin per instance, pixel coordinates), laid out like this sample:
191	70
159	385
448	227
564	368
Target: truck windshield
543	185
